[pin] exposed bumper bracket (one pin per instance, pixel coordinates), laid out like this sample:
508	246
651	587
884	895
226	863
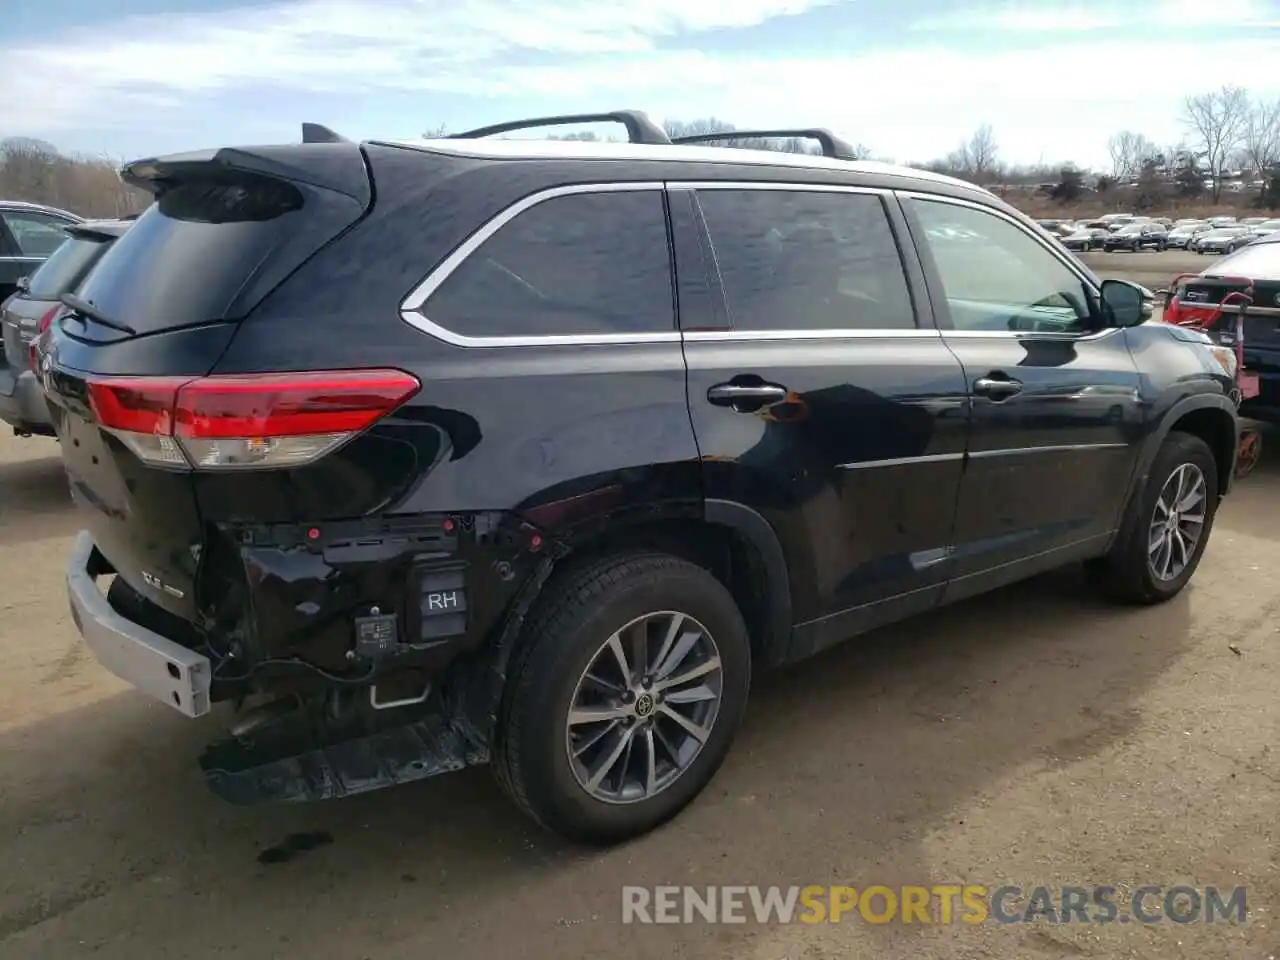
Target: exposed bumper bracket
156	666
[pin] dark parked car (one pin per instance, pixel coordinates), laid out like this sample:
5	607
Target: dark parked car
1137	236
29	232
1084	239
1221	240
30	311
1256	265
440	452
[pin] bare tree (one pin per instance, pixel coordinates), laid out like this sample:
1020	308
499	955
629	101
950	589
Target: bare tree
1129	152
709	125
1216	122
977	158
35	171
1261	139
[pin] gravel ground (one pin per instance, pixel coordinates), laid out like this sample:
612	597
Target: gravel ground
1032	736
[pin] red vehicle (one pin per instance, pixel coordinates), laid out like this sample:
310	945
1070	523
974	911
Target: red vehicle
1218	306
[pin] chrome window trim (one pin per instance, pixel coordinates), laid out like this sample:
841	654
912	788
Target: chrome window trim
784	186
411	306
1061	256
890	333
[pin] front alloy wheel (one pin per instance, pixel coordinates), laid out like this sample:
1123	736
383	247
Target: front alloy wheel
1177	522
644	707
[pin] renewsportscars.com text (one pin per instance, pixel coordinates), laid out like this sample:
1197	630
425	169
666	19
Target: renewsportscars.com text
938	903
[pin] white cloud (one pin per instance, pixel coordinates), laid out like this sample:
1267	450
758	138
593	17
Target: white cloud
1067	16
1051	94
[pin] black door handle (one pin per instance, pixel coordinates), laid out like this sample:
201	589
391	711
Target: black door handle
996	388
745	398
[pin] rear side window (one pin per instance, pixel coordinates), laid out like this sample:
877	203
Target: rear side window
800	260
187	257
582	264
68	266
37	235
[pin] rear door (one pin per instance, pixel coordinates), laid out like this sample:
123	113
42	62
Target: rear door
1056	415
819	398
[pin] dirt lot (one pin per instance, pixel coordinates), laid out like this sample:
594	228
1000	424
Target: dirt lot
1035	736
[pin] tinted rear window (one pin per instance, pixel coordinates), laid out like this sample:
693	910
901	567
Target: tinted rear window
800	260
187	257
66	268
584	264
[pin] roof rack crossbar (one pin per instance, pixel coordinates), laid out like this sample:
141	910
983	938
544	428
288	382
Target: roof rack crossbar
318	133
640	129
832	146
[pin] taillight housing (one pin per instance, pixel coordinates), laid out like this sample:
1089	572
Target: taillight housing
245	422
33	360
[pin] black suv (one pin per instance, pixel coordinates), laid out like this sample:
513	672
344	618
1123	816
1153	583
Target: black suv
1137	236
434	453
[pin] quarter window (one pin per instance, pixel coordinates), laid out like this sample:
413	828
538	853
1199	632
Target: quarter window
807	260
588	263
997	277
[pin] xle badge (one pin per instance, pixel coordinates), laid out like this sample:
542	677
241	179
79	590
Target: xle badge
156	583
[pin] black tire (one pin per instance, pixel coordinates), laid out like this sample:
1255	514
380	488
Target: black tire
1125	574
572	621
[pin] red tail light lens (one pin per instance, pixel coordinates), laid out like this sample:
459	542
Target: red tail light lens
45	323
244	422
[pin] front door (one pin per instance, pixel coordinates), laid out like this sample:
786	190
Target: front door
1055	403
818	398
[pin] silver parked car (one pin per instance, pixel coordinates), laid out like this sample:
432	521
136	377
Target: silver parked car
33	308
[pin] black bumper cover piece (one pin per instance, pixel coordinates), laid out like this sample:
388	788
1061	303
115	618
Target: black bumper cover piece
404	754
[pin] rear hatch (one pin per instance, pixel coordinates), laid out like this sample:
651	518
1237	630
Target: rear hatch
125	363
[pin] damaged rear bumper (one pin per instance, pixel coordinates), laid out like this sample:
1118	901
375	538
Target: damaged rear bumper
154	665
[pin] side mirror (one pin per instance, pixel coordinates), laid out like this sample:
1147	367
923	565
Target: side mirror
1125	304
23	284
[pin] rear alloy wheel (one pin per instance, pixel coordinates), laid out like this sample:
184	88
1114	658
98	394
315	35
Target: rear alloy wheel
628	687
640	717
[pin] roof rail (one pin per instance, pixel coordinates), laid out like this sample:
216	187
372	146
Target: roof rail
640	129
318	133
832	146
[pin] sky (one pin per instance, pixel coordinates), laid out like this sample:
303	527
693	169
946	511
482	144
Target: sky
909	78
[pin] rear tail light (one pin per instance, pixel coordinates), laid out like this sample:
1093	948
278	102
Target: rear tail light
33	359
266	421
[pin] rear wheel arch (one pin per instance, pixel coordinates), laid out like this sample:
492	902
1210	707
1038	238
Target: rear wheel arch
731	541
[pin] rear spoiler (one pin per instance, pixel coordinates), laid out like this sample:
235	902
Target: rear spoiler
98	231
336	165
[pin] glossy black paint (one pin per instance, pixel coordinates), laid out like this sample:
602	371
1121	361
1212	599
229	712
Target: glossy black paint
143	519
851	486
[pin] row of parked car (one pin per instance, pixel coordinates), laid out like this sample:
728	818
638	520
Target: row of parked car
1128	232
